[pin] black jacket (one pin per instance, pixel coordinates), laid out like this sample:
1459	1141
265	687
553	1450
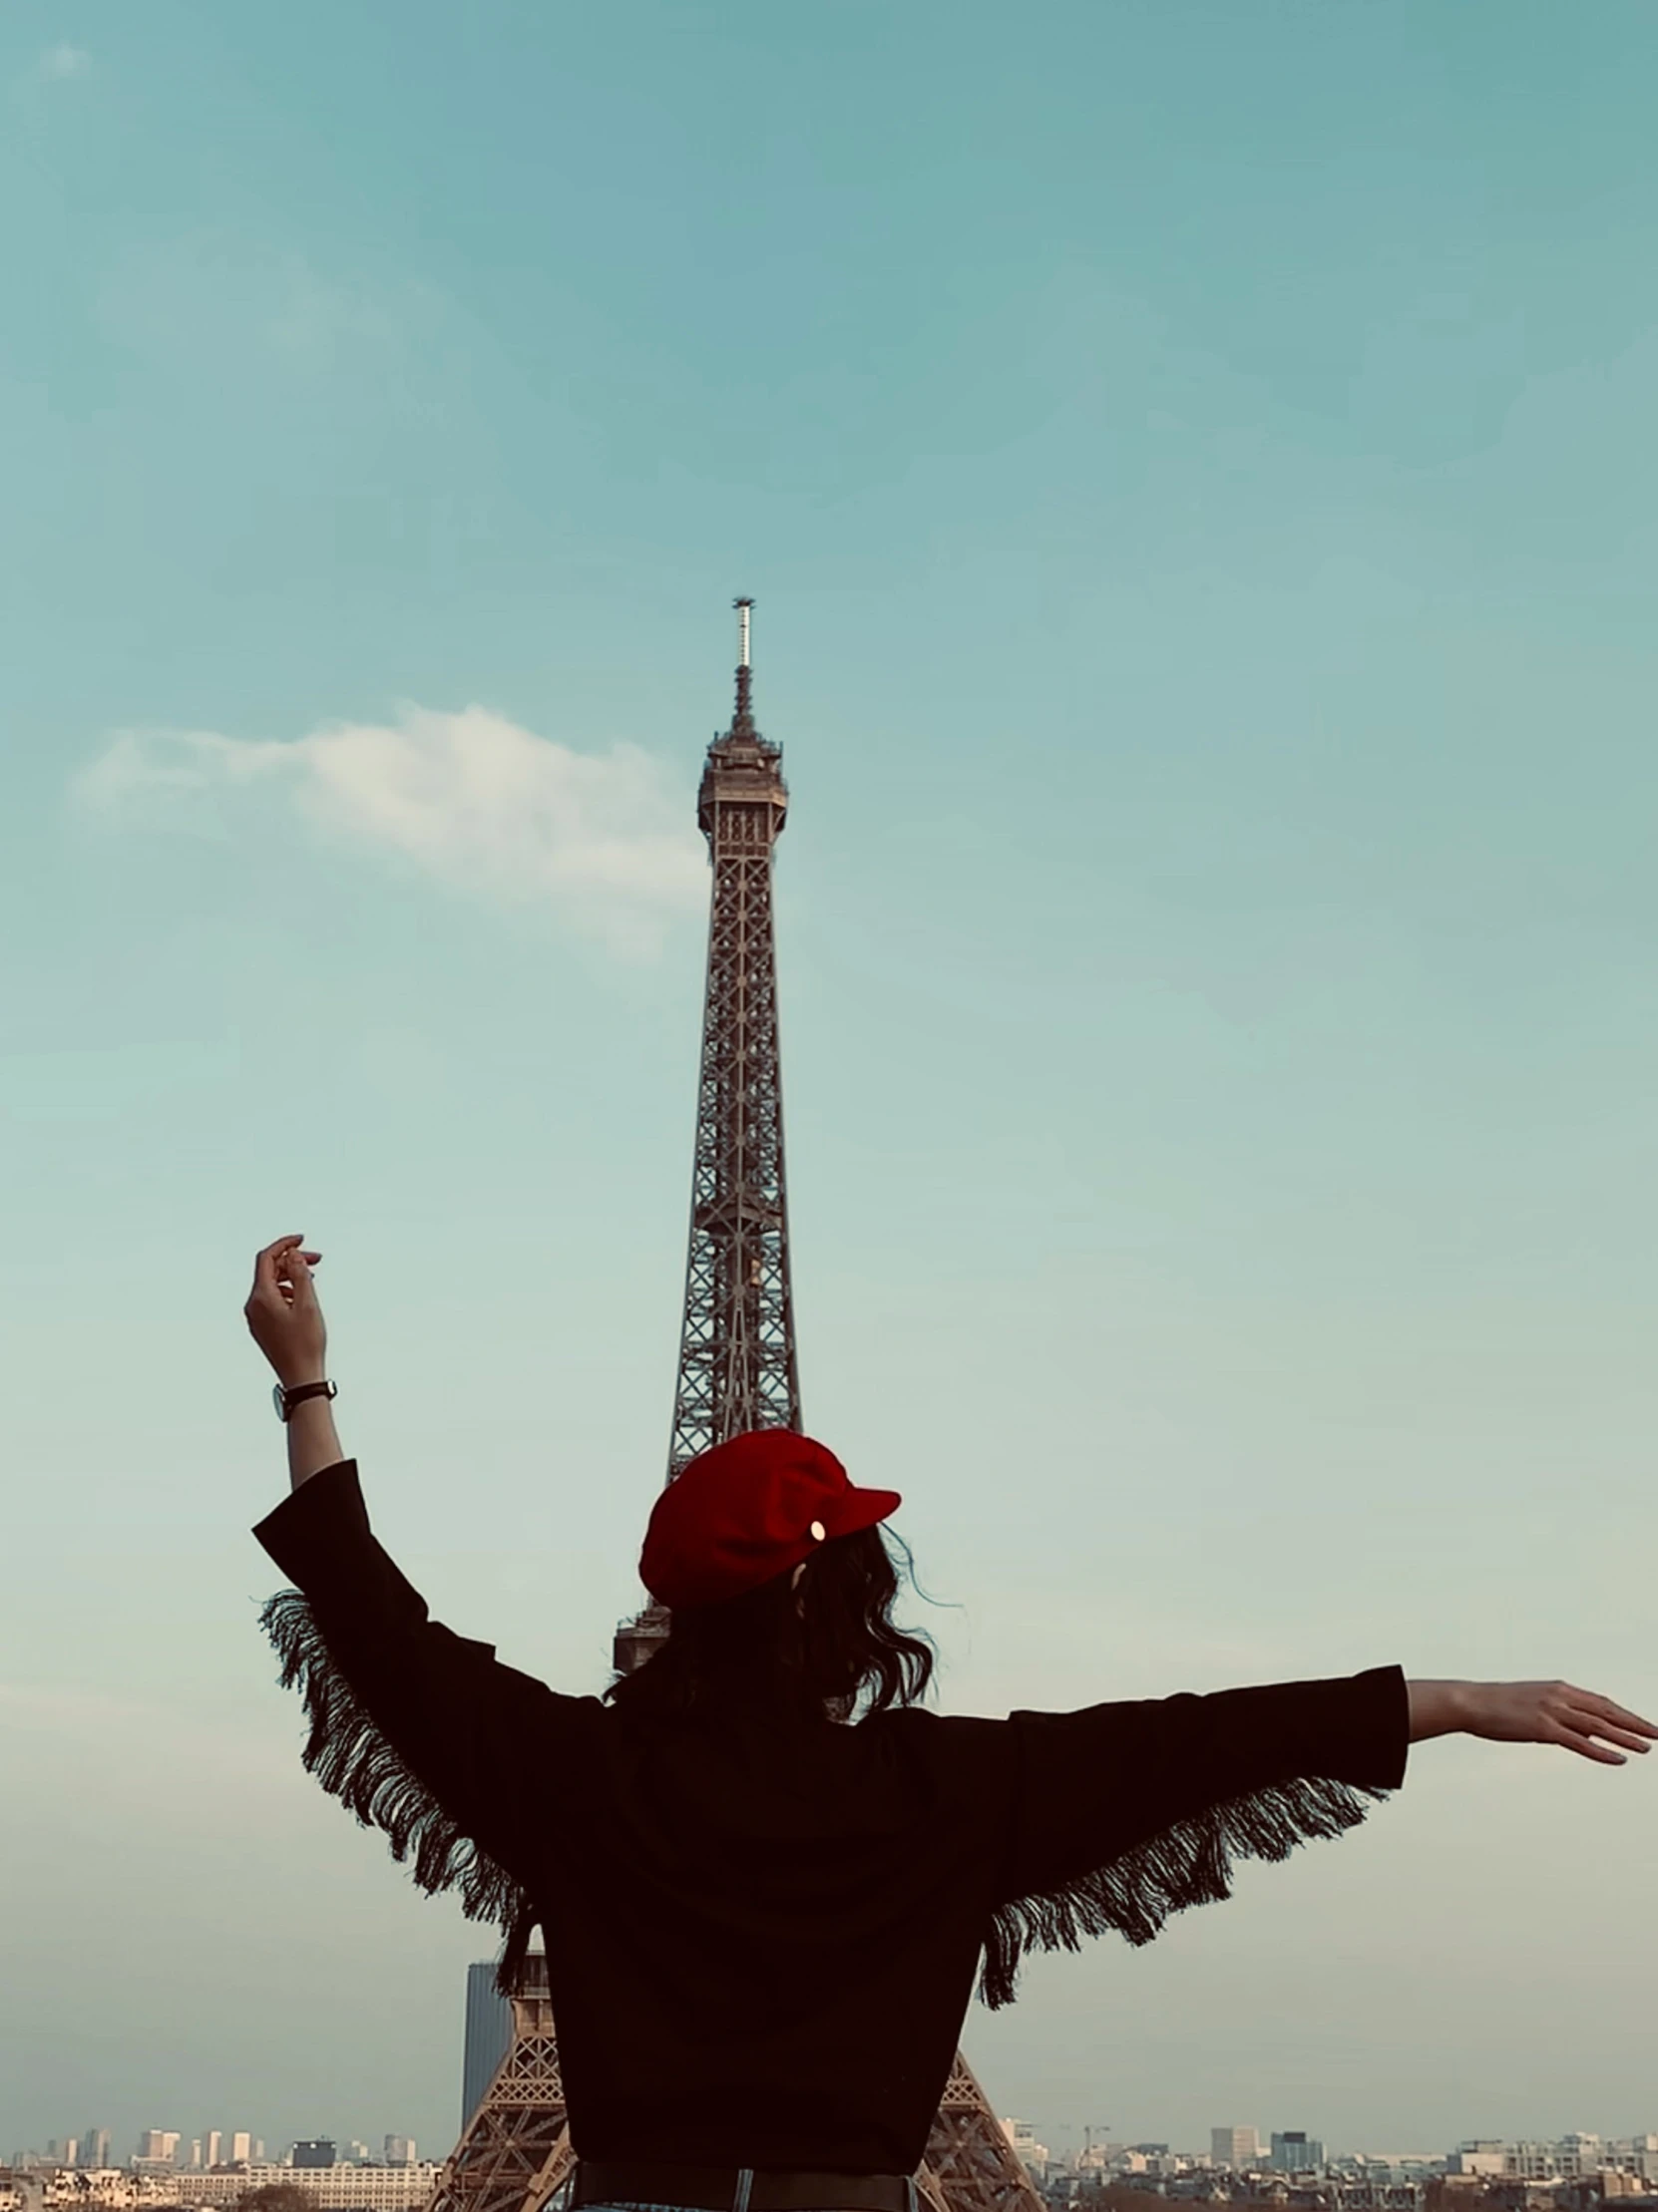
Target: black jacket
762	1936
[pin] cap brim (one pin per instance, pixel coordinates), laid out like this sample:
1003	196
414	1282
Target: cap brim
857	1509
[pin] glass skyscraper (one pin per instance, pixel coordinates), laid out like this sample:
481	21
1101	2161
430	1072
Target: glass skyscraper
489	2030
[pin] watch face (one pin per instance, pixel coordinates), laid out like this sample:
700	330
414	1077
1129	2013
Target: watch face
277	1400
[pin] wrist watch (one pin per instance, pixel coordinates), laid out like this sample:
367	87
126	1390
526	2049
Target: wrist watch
288	1396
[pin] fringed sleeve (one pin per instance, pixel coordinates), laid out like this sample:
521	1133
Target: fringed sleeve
421	1733
1127	1814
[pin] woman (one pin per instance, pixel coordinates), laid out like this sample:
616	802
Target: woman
765	1878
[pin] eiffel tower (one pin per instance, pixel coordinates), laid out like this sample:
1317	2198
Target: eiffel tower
737	1371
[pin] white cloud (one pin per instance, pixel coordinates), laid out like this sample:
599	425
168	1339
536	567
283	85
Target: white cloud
63	61
470	799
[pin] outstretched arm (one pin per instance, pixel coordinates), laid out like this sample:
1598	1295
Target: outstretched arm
1531	1712
1121	1814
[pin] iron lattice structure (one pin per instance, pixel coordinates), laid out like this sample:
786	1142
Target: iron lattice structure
738	1366
970	2166
515	2150
737	1371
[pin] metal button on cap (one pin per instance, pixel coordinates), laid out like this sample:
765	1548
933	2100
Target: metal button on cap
817	1530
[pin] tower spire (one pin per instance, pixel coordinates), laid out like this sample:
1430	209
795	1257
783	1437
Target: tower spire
743	719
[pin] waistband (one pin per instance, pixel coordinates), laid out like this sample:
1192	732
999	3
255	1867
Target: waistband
738	2188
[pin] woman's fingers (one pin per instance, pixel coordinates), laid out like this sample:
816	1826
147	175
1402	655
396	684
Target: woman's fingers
1586	1711
1587	1748
265	1261
266	1291
1594	1727
1616	1735
272	1276
1599	1717
1624	1719
1593	1724
1581	1728
283	1312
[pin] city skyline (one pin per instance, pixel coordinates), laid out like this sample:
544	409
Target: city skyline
1232	2148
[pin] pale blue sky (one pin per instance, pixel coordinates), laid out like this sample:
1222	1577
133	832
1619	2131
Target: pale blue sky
1195	466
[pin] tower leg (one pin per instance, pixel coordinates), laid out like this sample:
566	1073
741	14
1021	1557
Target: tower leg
969	2165
515	2150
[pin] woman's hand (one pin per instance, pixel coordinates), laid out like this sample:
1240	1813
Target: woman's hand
1531	1712
283	1312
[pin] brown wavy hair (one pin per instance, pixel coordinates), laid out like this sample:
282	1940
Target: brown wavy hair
825	1648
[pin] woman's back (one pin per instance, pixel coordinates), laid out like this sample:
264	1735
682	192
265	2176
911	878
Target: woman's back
763	1933
762	1925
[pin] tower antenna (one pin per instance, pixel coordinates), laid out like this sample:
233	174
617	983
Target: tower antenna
744	719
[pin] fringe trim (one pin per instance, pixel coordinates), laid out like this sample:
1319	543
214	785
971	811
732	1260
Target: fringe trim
1187	1864
354	1762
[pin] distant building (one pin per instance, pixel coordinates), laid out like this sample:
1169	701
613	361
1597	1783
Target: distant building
212	2147
1029	2153
1573	2159
318	2151
1570	2158
335	2188
242	2149
1633	2154
1236	2148
399	2150
489	2030
1294	2151
1580	2156
1389	2168
94	2147
1527	2161
157	2147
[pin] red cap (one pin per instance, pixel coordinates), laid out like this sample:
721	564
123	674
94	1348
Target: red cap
747	1510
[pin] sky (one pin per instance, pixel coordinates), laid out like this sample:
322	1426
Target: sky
1194	464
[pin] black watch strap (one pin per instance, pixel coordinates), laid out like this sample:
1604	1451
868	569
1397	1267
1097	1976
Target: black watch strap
290	1395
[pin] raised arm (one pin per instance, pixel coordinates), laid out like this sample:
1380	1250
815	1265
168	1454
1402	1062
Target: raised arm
419	1731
